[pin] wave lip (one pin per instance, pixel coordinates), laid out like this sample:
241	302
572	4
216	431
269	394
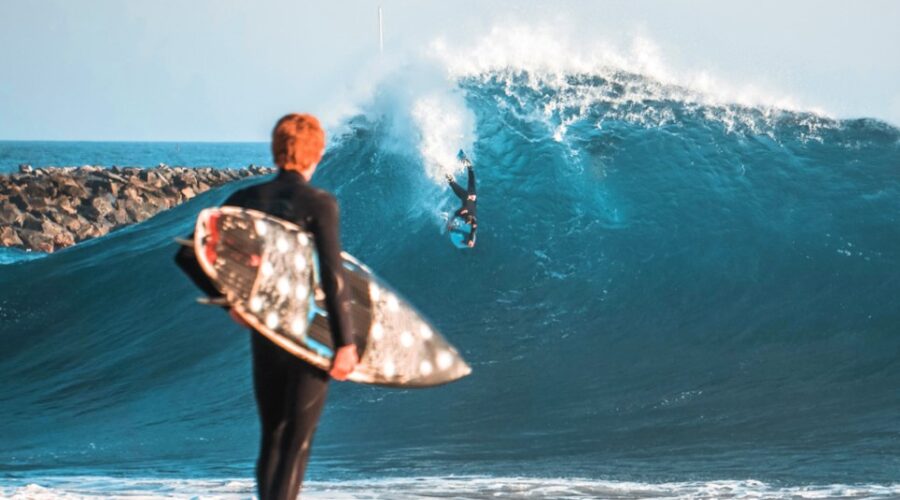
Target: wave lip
549	54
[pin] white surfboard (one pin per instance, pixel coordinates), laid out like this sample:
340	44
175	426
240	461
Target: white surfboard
268	272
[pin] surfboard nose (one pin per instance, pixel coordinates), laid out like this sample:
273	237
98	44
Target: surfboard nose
464	369
455	371
440	363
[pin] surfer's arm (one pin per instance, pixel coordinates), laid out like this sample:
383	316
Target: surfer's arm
471	239
331	270
187	261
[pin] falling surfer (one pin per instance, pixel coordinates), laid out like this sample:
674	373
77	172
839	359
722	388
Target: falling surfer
466	213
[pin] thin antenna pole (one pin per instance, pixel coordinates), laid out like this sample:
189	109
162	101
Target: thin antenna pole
380	32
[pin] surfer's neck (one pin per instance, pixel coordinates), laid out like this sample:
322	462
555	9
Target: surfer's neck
304	176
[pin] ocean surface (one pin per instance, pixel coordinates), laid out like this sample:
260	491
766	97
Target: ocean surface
671	297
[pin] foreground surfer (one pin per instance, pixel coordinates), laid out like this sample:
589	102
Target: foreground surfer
468	197
290	393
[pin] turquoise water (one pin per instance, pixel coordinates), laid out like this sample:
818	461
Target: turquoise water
666	296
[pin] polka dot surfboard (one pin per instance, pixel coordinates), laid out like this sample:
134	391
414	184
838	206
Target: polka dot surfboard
268	272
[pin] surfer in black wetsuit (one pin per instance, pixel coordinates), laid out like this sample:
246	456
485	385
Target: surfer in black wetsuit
468	211
290	393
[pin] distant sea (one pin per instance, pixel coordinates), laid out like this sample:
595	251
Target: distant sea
138	154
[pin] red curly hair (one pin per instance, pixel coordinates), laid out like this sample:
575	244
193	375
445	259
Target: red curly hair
297	142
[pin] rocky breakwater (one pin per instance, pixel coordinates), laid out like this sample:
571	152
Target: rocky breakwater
46	209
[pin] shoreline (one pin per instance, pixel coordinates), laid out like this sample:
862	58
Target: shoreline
49	208
464	487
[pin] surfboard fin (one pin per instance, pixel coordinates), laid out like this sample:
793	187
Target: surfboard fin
185	242
217	301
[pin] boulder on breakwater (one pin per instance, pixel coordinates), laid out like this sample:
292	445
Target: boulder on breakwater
46	209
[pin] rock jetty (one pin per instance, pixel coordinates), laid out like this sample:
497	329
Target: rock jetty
46	209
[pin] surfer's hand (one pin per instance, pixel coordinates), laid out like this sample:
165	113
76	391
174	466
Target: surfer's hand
237	318
344	362
471	244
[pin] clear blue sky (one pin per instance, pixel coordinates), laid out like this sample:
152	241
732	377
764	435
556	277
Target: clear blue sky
221	70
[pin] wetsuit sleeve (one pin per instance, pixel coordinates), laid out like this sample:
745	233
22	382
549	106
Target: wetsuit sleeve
471	184
331	270
472	232
186	259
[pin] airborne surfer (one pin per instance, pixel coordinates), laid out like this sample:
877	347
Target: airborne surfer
290	393
468	197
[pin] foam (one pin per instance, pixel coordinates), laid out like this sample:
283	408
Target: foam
633	83
547	55
445	126
461	487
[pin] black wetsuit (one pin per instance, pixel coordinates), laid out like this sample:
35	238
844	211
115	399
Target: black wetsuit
290	393
468	212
